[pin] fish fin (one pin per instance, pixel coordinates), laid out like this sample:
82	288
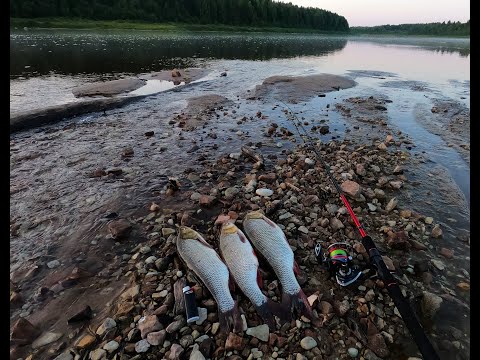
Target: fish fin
297	303
229	319
296	268
259	279
267	311
231	283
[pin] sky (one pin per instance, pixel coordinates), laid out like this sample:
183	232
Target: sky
381	12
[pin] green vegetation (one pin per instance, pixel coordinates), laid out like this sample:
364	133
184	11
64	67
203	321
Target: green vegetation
434	29
210	13
73	23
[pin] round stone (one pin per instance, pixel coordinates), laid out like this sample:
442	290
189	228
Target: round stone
142	346
353	352
308	343
264	192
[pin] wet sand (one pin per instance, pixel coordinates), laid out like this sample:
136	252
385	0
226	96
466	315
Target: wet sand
301	88
121	86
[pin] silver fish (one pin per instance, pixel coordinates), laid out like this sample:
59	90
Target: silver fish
270	241
212	271
243	265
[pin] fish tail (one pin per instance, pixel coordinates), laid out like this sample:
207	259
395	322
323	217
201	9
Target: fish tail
296	303
231	318
267	311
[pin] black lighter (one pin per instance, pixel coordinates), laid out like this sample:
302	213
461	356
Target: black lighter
190	304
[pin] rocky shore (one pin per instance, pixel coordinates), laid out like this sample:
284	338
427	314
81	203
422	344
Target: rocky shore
129	308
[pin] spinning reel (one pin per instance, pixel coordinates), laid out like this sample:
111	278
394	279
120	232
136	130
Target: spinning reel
338	263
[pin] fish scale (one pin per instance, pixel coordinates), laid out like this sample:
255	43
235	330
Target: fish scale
270	241
242	262
210	269
200	257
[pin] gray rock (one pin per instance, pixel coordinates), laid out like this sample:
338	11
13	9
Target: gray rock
379	193
196	354
396	184
436	231
195	196
438	264
341	307
175	326
370	295
308	343
45	339
231	192
53	264
186	341
111	346
430	304
176	352
331	208
398	170
260	332
107	324
200	339
360	170
353	352
145	249
287	215
336	224
264	192
257	354
252	184
157	338
392	204
142	346
98	354
303	229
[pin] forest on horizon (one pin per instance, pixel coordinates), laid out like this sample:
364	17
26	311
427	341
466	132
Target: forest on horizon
260	13
444	28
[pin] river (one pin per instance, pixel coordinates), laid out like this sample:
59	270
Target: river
53	200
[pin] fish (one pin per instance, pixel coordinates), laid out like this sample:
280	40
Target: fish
205	262
242	262
270	241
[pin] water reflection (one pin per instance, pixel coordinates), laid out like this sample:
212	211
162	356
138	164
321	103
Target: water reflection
81	52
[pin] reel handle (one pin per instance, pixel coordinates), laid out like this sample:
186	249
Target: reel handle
318	253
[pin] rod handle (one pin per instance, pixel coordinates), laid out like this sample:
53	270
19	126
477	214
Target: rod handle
408	315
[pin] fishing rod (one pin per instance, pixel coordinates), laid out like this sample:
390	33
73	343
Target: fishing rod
408	315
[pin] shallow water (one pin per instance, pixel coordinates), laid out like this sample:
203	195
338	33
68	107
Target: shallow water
57	200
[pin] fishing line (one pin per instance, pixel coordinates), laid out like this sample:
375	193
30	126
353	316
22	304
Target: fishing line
408	315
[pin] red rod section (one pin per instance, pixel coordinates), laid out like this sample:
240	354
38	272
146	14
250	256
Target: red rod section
352	214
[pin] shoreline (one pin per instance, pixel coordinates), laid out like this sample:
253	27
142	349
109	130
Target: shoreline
204	138
76	24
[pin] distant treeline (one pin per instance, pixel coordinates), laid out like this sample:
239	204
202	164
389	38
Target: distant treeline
449	28
229	12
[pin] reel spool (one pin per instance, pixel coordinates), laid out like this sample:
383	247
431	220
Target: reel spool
339	263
